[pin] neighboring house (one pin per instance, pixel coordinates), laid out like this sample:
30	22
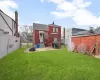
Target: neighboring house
9	36
71	32
87	32
81	33
46	34
78	30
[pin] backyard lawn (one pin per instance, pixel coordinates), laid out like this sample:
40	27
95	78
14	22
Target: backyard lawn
49	65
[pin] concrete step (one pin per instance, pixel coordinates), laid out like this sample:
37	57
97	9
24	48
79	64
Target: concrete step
42	45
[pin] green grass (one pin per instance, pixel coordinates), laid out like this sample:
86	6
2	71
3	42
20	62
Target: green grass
50	65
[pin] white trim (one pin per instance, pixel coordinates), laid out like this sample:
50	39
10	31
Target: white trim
54	33
56	29
41	32
53	29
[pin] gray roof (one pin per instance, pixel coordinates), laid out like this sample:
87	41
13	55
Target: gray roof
76	30
37	26
96	31
81	33
54	25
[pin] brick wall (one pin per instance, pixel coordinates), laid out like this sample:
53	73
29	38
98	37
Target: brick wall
52	36
89	41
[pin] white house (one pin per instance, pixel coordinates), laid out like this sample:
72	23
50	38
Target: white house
9	36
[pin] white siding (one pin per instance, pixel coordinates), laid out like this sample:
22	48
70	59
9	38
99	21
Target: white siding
4	26
68	41
5	42
9	21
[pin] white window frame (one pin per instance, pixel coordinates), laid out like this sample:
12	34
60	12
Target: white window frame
55	30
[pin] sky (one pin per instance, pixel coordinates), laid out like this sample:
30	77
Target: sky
66	13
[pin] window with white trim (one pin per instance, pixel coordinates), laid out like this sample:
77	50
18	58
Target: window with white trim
55	29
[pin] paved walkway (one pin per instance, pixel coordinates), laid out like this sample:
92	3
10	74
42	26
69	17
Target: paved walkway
40	49
97	56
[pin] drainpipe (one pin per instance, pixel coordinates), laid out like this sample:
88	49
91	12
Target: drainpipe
64	36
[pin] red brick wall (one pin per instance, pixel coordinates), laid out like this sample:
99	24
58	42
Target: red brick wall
52	36
89	41
36	37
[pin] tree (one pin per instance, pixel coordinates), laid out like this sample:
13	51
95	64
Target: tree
92	30
26	33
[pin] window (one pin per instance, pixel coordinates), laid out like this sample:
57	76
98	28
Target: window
55	29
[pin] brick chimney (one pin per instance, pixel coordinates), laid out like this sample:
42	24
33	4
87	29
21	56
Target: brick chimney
16	20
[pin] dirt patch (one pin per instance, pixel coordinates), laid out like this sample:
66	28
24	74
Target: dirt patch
40	49
98	56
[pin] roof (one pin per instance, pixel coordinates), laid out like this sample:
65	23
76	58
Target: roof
76	30
79	29
37	26
81	33
54	25
86	33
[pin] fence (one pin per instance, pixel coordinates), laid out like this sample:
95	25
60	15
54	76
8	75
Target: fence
88	42
8	44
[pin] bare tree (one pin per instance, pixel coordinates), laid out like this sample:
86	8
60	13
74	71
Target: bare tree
92	30
26	32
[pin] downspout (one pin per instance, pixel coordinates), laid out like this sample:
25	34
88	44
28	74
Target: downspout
64	35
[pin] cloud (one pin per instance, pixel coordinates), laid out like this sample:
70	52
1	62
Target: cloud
81	3
36	21
56	1
76	10
7	6
41	1
84	17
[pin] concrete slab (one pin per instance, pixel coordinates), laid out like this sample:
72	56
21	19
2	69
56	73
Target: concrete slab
40	49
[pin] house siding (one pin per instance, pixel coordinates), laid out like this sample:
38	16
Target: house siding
8	42
3	25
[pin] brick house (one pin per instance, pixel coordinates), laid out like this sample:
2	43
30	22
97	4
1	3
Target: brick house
46	34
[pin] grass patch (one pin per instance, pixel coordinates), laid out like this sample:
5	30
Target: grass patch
49	65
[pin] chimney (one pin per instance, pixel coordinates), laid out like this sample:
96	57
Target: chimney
53	23
16	20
